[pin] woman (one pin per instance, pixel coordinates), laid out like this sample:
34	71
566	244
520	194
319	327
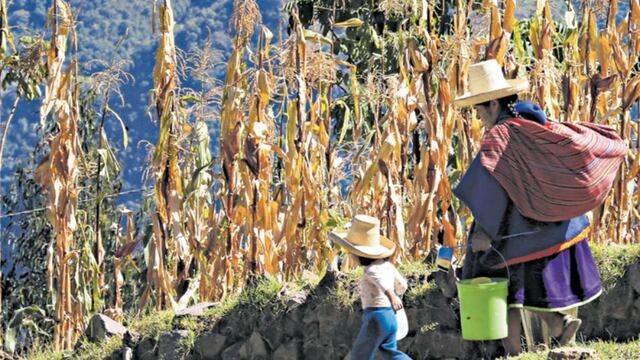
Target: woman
528	189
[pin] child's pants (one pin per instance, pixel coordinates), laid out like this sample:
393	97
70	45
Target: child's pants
378	332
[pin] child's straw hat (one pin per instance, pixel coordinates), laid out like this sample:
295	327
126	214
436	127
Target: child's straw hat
363	238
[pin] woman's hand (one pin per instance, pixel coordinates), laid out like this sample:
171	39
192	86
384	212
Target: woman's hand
480	241
396	303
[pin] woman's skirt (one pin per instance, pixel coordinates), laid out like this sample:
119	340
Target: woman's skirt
558	282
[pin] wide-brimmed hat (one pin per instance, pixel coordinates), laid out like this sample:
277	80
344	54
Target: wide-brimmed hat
486	82
363	238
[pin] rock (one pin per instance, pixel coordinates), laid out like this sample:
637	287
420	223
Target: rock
170	344
292	324
310	317
127	353
146	349
314	350
209	346
337	328
130	339
442	316
115	355
636	304
102	327
196	310
274	333
294	297
438	343
633	275
232	352
328	282
288	351
446	282
571	353
619	303
254	348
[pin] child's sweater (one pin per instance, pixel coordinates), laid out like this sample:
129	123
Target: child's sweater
378	277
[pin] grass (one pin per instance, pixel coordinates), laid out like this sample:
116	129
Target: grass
262	293
428	327
343	295
613	260
45	353
152	324
195	327
616	351
416	269
604	350
91	351
221	310
86	351
418	295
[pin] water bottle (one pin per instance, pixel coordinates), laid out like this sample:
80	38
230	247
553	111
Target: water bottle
443	260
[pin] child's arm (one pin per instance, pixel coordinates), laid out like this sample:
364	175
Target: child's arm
399	281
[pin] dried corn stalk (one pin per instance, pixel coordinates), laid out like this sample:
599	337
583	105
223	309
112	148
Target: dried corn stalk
61	174
169	240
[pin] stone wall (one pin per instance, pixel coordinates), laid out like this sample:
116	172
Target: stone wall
315	324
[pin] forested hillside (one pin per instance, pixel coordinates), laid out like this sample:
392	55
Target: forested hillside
101	25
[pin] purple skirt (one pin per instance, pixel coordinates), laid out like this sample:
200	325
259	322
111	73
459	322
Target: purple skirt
561	281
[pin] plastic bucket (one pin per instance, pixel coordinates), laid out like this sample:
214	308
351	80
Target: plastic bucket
483	308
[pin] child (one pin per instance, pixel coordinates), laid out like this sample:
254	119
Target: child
379	287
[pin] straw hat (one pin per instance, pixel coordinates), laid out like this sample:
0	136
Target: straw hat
486	82
363	238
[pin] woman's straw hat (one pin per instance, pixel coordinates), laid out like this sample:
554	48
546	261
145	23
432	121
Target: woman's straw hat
486	82
363	238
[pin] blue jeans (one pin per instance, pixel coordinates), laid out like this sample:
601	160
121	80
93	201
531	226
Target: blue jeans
378	332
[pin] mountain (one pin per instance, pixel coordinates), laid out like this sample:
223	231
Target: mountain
100	25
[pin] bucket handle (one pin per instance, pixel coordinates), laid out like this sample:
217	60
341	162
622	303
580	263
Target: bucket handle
506	266
497	252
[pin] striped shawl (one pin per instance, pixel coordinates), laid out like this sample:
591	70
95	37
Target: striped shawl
555	171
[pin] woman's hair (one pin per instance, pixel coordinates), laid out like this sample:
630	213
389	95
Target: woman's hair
504	102
365	261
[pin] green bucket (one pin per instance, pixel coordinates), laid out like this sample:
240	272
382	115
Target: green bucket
483	308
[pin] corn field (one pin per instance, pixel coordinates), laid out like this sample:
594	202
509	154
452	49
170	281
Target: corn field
300	155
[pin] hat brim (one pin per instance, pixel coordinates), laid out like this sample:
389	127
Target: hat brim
515	86
384	250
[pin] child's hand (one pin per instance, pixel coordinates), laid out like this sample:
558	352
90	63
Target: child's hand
396	303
